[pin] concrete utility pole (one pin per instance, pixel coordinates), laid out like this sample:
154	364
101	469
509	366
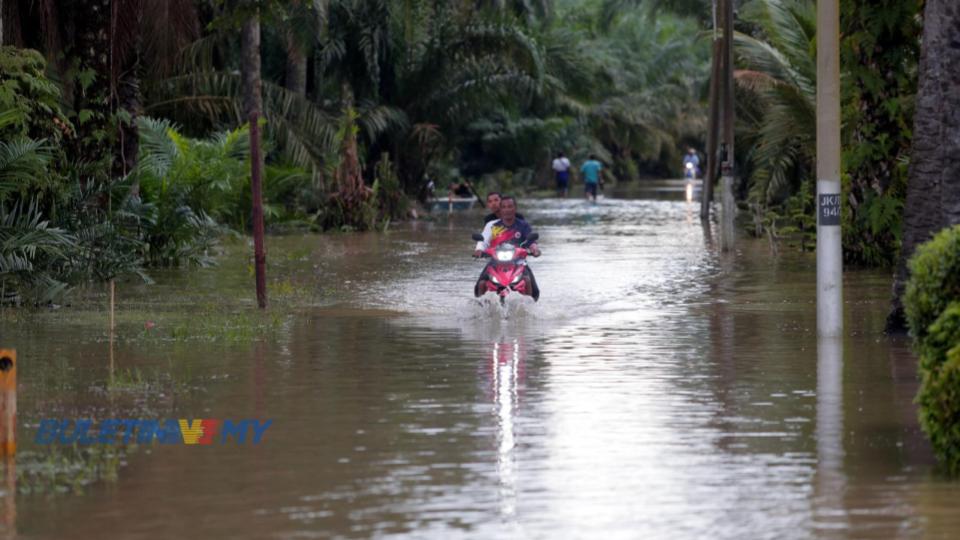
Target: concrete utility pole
829	248
728	205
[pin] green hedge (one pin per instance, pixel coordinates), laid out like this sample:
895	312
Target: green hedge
932	304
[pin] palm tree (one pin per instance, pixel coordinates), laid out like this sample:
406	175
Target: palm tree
423	70
933	188
701	10
31	250
33	254
653	67
780	71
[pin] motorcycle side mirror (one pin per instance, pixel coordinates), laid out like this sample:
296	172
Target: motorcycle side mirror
478	237
533	238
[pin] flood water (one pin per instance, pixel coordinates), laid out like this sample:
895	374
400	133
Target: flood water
659	389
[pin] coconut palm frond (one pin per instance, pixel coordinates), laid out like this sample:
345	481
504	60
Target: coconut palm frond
304	131
29	249
780	71
21	161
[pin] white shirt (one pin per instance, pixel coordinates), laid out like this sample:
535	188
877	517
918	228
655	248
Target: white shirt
561	164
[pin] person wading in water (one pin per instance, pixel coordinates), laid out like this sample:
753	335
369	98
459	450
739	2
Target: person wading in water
561	169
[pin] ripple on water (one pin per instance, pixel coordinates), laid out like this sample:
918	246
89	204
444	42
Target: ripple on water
658	389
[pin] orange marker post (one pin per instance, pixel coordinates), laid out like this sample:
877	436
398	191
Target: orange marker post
8	402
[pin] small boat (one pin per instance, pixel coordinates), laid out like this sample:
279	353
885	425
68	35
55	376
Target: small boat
451	204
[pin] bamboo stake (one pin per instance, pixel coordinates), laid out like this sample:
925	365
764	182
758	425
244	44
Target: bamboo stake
113	292
113	325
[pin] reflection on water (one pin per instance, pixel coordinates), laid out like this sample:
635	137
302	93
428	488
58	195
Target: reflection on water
831	479
658	389
506	369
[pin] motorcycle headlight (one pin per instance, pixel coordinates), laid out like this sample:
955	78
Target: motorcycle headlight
689	165
505	255
495	280
517	279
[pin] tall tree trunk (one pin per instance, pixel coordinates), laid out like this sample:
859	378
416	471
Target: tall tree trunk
92	91
129	98
349	179
252	106
933	188
296	73
352	194
250	58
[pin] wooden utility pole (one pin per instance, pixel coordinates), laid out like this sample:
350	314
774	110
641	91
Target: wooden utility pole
829	246
710	173
252	105
727	117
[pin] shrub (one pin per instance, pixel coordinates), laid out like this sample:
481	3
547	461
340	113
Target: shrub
934	281
932	305
388	191
939	401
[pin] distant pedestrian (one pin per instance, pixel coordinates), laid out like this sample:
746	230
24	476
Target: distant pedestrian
591	176
561	168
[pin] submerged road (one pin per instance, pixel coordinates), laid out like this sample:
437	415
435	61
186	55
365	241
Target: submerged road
657	390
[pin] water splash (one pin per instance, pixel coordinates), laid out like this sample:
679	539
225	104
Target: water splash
489	306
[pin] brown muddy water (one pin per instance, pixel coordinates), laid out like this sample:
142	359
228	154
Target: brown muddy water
658	390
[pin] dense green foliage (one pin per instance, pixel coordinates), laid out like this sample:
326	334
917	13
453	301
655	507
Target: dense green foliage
453	89
138	158
932	305
777	81
880	53
778	70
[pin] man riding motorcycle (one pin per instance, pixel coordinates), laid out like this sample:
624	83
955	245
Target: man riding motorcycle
509	228
691	164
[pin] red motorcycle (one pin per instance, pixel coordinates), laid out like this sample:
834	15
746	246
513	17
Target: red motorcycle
504	272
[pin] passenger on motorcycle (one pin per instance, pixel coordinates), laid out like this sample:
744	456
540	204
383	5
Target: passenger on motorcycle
509	228
493	204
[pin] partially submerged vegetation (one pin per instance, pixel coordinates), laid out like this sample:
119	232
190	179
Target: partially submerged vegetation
932	305
112	166
776	79
140	160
